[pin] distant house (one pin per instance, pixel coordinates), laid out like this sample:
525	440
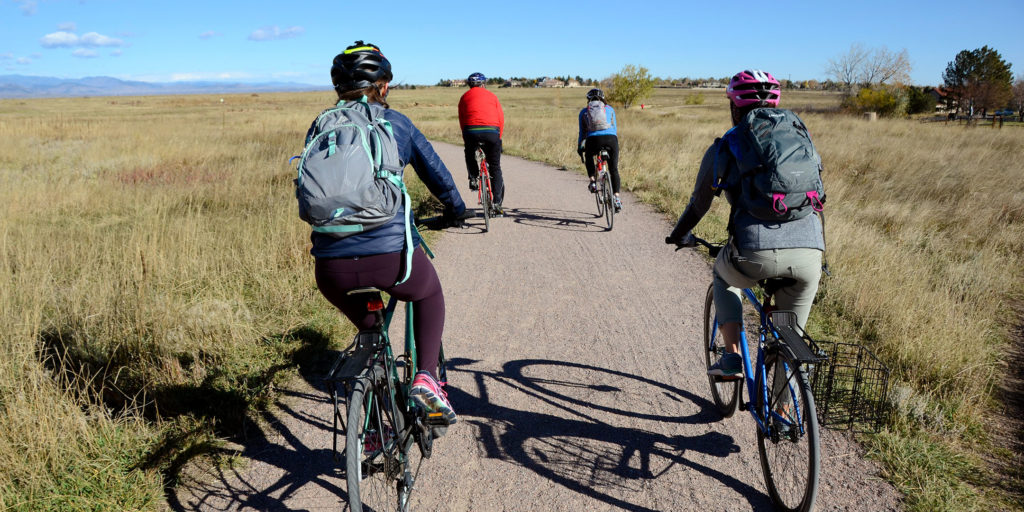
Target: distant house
513	83
573	83
943	99
551	82
458	83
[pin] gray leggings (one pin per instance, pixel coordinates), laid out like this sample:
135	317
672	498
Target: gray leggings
742	268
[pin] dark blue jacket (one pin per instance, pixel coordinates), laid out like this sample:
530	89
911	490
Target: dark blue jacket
413	149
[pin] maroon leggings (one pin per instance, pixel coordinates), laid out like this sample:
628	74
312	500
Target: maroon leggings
336	276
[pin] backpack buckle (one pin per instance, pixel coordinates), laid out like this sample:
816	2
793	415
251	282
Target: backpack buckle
778	200
815	200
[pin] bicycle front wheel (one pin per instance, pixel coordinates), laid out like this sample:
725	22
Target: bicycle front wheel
725	393
789	450
485	200
376	466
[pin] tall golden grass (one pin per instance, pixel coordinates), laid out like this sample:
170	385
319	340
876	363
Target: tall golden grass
149	256
155	281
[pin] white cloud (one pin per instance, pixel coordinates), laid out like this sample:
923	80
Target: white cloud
116	53
59	40
68	26
85	54
208	34
93	39
274	33
6	56
28	7
65	39
24	61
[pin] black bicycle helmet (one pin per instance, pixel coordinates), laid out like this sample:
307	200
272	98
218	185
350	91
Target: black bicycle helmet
476	79
359	66
595	94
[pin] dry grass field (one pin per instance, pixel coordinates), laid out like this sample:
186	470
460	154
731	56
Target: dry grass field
155	282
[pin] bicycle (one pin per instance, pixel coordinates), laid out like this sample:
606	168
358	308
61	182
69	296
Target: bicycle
783	409
604	196
381	422
485	194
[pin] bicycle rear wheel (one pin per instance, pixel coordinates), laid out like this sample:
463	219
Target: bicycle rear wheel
485	199
725	393
789	451
609	201
376	467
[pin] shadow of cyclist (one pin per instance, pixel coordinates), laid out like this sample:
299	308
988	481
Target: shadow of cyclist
581	452
554	219
292	449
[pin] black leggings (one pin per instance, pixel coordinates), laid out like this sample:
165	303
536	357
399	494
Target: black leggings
491	143
593	147
336	276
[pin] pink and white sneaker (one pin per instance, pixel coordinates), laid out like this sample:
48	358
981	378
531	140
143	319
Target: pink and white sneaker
427	393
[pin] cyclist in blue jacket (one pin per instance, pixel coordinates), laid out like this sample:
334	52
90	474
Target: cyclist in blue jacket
374	258
597	133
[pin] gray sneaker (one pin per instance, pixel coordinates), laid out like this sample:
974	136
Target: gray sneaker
729	366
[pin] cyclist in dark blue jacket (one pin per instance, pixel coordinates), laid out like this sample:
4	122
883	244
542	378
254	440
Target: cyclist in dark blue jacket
374	258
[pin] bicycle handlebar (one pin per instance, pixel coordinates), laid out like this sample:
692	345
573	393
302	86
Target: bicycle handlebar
713	249
439	222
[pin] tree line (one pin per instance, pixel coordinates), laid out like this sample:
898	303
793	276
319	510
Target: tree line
871	79
974	82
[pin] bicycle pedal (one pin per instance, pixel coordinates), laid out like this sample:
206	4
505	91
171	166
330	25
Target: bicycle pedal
436	419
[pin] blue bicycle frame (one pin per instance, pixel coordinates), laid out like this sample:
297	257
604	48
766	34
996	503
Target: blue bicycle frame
761	386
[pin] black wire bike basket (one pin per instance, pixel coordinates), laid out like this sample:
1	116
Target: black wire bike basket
851	388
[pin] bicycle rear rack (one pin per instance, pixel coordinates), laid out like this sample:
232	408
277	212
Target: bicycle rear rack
801	347
351	363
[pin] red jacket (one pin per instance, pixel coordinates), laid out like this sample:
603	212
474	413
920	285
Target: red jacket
480	107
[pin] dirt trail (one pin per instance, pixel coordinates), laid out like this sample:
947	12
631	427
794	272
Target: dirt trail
576	375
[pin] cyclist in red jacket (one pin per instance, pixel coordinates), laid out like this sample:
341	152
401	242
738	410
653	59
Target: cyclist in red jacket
483	124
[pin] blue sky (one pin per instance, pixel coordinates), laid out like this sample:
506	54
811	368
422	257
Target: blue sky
259	41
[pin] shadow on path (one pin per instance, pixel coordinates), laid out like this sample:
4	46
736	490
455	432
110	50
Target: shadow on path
581	452
576	450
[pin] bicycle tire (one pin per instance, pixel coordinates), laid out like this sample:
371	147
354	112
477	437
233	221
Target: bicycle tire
724	393
609	200
376	478
790	452
485	200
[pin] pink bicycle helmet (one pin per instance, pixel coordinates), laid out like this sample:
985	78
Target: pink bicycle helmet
749	87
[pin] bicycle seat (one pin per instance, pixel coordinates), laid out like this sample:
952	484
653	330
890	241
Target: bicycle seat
774	284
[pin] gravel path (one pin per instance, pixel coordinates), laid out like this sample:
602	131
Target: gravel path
576	375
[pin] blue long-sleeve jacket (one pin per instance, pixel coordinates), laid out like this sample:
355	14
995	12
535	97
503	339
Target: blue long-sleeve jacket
413	149
609	113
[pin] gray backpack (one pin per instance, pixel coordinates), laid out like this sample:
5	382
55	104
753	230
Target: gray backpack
349	176
777	171
597	117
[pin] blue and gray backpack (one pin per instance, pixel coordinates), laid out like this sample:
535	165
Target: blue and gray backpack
350	176
777	170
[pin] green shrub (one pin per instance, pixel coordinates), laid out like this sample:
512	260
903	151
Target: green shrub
919	101
695	99
886	102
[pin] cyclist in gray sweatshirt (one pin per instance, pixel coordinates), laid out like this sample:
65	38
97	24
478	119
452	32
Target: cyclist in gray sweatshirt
757	249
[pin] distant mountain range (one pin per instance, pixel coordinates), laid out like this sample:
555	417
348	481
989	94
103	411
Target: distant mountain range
20	86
